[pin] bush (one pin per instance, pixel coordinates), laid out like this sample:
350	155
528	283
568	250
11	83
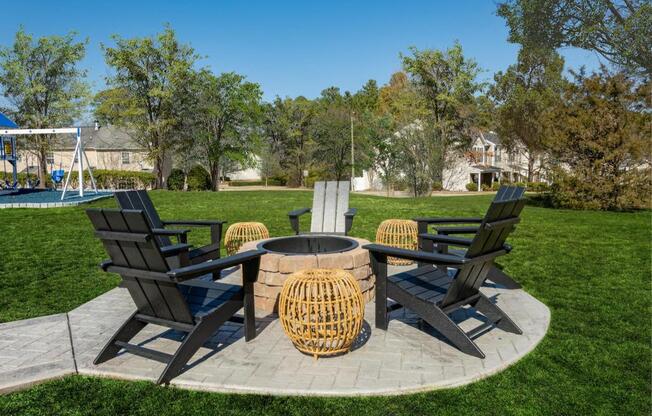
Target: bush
495	186
116	179
486	187
472	186
175	180
537	187
270	182
437	186
198	179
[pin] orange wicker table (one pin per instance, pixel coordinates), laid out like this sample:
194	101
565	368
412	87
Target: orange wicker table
321	311
398	233
241	232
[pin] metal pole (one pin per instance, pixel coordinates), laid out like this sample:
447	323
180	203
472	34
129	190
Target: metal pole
80	167
72	165
352	156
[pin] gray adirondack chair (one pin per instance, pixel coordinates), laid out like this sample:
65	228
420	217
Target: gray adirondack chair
330	209
170	296
459	226
139	200
445	283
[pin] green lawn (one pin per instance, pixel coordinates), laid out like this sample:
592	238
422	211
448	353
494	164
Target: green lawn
592	269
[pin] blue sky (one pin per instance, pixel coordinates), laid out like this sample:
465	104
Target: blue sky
291	48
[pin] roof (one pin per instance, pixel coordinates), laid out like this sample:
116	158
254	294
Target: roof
106	138
5	122
491	136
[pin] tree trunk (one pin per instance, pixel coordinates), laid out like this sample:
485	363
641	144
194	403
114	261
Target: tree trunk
158	167
531	159
43	168
185	181
215	176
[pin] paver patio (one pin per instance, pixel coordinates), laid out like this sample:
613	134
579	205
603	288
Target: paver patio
403	359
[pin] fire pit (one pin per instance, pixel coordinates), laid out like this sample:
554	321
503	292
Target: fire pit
286	255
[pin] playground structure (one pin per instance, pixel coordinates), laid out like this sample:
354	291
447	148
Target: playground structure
8	153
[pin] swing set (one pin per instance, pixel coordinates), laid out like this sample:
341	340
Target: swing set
8	153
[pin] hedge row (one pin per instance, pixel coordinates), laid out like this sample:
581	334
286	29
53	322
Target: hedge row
116	179
530	186
270	182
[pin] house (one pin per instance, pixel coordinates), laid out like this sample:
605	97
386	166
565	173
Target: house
110	148
487	162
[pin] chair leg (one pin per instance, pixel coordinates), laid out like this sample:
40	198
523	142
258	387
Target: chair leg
496	315
379	267
192	342
449	329
127	331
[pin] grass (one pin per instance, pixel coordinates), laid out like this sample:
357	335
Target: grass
591	268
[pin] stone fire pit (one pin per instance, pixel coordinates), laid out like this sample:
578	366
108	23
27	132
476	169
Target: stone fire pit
286	255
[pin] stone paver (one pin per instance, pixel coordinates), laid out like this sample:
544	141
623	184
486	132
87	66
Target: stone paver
34	350
408	357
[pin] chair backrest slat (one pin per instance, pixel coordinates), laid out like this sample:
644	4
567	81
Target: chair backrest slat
498	223
140	200
330	202
318	203
153	297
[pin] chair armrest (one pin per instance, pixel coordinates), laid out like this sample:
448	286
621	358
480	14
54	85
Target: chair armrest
420	256
195	223
182	235
458	230
298	212
196	270
215	225
175	249
348	219
294	218
452	220
439	238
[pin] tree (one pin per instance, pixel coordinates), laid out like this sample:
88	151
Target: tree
287	126
228	116
446	82
601	143
148	91
44	86
525	95
619	30
269	163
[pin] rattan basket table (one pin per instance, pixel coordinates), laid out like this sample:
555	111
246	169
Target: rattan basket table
241	232
398	233
321	311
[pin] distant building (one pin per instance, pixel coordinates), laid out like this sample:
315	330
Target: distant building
487	162
109	148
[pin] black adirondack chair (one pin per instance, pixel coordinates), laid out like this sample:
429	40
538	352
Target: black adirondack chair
427	243
166	296
140	200
433	292
330	209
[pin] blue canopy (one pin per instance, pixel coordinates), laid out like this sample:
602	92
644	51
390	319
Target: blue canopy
6	123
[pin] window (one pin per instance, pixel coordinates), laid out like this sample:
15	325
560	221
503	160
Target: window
125	158
49	158
498	155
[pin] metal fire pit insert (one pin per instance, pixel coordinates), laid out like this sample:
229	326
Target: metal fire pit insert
312	244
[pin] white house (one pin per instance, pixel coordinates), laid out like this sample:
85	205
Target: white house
486	163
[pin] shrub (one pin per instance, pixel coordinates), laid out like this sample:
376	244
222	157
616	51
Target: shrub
437	186
270	182
175	180
486	187
198	179
116	179
495	186
471	186
537	187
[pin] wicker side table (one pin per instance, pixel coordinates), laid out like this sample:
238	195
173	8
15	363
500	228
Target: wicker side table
242	232
398	233
321	311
